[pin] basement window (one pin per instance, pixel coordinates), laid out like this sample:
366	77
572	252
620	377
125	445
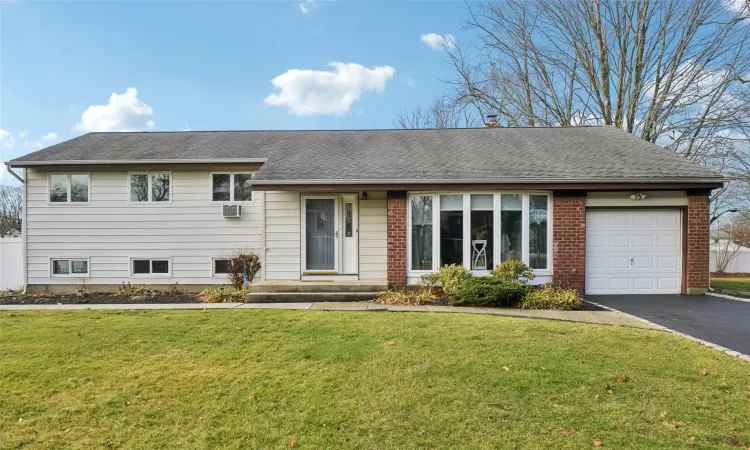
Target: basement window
70	267
150	267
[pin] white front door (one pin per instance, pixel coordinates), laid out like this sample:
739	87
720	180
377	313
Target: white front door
633	252
349	232
321	234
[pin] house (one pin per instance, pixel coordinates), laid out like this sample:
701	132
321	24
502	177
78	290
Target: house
591	208
728	256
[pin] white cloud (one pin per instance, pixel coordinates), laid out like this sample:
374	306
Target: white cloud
23	134
308	6
7	140
308	92
51	136
737	6
124	112
438	42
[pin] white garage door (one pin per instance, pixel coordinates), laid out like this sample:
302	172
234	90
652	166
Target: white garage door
633	252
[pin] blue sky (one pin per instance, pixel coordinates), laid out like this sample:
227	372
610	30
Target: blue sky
211	65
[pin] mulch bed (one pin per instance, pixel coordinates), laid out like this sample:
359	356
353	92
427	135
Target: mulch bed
97	298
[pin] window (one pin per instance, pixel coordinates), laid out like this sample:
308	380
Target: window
421	233
451	229
150	187
221	266
69	188
538	231
70	267
478	230
511	226
150	267
231	187
482	231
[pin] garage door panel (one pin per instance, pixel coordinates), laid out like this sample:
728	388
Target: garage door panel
633	252
619	221
619	241
644	284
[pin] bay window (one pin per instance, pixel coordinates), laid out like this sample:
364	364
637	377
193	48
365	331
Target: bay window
478	230
451	229
538	231
421	232
511	227
482	231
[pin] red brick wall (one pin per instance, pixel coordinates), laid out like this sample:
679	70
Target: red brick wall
697	243
730	274
396	240
569	240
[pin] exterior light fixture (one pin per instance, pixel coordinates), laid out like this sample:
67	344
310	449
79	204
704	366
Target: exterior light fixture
638	196
364	195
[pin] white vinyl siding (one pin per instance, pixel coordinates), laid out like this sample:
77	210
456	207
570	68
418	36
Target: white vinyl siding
110	231
373	238
283	235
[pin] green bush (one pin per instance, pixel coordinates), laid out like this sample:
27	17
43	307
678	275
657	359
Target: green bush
453	277
513	270
549	297
489	291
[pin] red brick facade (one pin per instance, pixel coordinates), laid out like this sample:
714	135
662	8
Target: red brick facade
396	240
569	240
698	243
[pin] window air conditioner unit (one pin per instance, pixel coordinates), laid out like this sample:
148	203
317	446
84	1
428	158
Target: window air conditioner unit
230	211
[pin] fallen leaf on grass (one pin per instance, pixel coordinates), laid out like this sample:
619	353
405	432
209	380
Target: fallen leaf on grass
254	398
275	395
703	372
598	443
580	361
596	397
292	443
126	403
624	379
506	368
388	343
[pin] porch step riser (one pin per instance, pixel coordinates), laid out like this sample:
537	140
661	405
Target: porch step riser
303	297
317	288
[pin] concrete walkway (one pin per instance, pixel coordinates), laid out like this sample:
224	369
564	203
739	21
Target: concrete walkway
598	317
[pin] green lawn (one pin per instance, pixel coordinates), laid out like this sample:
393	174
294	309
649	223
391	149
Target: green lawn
259	379
731	284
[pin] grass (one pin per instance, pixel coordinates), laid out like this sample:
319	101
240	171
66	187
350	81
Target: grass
731	284
260	379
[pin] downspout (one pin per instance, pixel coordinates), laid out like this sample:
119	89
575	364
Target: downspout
15	175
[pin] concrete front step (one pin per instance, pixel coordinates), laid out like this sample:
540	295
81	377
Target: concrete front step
304	297
313	287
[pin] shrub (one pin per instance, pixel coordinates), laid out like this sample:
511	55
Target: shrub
548	297
130	290
453	277
222	295
430	279
244	264
513	270
421	296
489	291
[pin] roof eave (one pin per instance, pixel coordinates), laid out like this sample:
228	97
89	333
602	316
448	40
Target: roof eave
130	162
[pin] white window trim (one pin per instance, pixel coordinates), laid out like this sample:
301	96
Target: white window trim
497	229
150	202
231	188
150	275
68	202
213	267
52	273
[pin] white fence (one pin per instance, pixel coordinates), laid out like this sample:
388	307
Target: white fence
740	261
11	263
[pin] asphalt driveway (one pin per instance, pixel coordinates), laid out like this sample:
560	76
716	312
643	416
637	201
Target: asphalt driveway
718	320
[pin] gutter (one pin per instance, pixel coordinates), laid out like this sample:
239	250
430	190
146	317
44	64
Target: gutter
139	162
487	181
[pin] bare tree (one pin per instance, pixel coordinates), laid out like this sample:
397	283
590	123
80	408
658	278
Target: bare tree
11	207
674	72
441	113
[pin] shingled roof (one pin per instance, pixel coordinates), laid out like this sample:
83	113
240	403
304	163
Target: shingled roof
479	155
